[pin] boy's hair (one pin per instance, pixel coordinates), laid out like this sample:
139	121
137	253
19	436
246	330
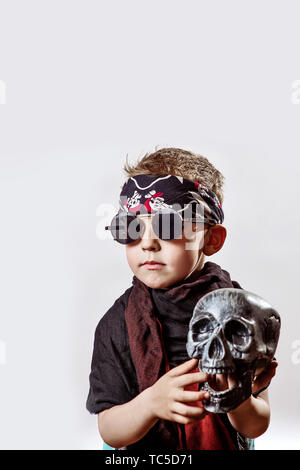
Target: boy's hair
175	161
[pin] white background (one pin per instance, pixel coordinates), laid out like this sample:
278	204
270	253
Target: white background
88	82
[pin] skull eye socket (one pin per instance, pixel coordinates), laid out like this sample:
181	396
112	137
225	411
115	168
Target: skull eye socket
204	326
237	333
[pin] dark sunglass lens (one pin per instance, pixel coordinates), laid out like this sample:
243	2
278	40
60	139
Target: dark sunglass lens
125	228
167	225
135	229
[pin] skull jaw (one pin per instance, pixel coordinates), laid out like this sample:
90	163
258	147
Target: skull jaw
227	400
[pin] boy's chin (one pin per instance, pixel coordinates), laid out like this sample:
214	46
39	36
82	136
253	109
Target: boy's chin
156	283
161	283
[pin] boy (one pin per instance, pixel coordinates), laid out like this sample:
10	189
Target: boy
142	385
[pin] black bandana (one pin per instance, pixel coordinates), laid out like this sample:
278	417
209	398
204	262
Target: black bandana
149	193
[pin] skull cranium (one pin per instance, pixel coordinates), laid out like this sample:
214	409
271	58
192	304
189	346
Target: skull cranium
232	331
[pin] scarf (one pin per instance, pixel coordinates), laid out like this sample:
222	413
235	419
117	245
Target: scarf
149	355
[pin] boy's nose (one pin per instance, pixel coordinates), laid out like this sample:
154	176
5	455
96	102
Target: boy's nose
149	240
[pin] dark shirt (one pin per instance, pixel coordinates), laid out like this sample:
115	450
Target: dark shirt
113	379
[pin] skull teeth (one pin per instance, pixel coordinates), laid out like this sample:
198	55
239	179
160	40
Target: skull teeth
217	370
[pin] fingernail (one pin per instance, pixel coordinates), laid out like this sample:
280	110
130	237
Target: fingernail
206	395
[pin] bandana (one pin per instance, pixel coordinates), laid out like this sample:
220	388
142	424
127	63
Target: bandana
149	193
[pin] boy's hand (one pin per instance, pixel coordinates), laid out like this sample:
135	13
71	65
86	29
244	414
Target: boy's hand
168	398
264	377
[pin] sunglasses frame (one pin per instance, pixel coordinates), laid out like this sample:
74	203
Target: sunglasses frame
137	215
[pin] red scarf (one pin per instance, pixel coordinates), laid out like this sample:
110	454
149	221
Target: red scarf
150	359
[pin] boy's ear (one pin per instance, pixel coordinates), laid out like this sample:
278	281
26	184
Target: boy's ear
214	239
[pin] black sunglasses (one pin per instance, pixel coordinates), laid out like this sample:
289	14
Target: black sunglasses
167	225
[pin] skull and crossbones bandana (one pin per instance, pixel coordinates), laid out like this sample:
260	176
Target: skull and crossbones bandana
150	193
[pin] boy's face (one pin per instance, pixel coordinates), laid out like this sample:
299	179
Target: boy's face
175	259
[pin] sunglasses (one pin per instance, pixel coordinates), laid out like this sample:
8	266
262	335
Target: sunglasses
167	225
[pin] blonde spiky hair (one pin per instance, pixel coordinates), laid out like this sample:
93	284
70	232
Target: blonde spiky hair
175	161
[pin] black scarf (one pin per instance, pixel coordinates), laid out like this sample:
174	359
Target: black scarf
145	333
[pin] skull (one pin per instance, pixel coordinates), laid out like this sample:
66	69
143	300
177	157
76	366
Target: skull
232	331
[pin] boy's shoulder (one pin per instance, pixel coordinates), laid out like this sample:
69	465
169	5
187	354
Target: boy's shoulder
112	323
218	276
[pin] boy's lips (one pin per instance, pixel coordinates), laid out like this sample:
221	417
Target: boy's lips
153	264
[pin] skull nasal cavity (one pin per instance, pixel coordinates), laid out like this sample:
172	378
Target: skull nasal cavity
216	349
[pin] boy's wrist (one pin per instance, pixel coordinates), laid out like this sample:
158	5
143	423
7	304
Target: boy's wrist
251	418
148	404
243	408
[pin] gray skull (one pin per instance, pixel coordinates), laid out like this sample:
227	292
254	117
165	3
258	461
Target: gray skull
232	331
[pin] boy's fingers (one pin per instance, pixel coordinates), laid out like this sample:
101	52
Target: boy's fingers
184	368
184	419
189	411
264	378
191	378
189	396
